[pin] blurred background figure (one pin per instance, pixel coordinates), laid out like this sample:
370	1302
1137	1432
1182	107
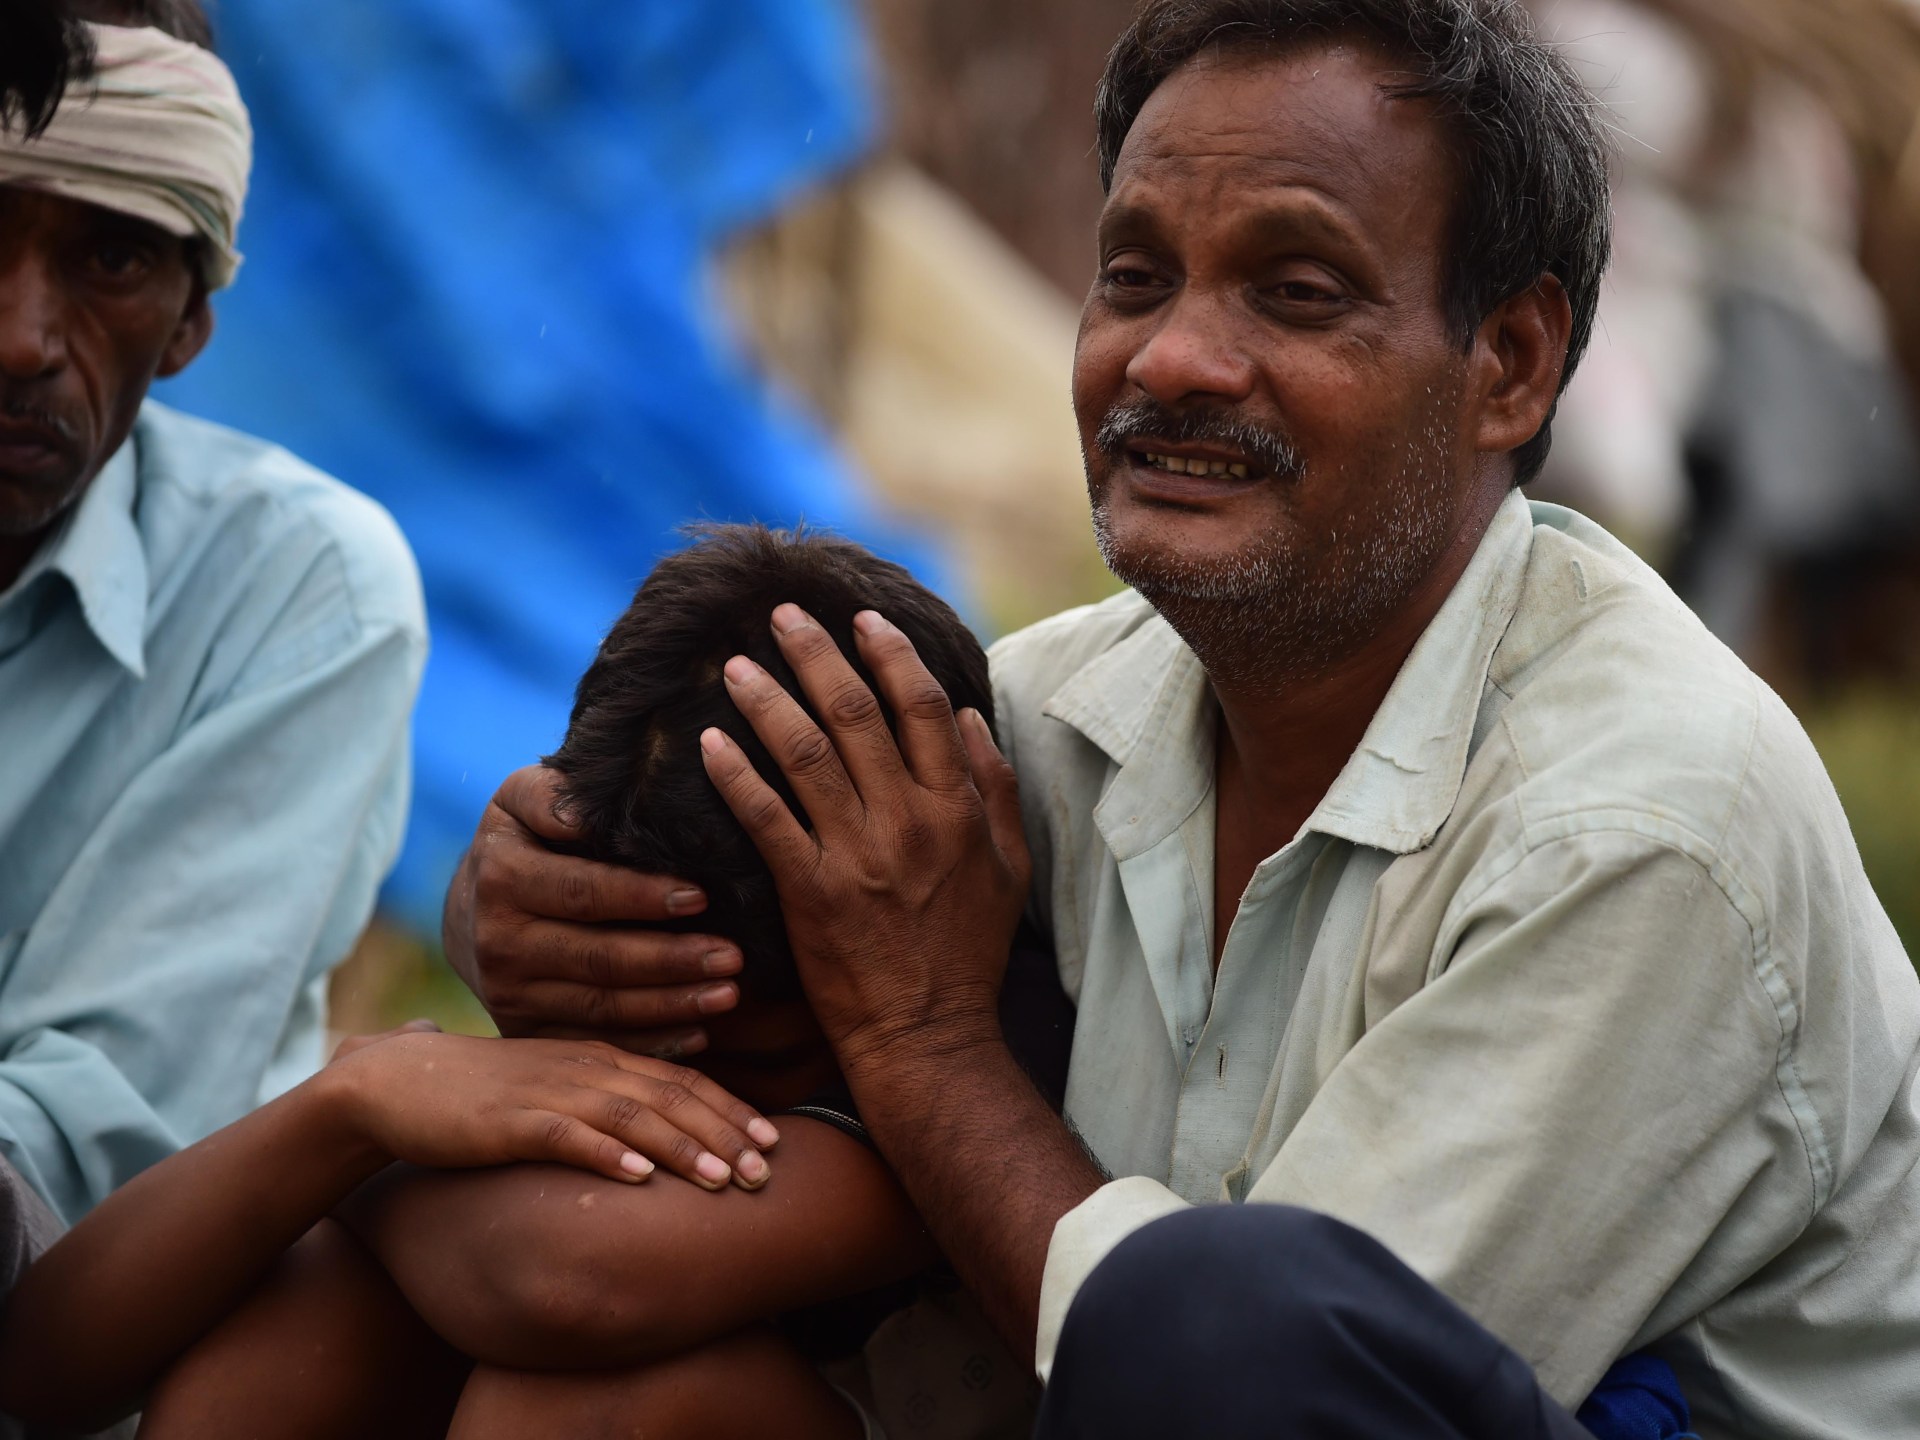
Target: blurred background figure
1747	415
567	275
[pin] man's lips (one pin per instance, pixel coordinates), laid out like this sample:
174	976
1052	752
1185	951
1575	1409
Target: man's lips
1200	460
1205	473
29	445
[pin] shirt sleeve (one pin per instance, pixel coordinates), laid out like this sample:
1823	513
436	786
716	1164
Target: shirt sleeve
156	985
1550	1129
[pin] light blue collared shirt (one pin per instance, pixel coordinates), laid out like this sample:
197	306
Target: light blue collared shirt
206	675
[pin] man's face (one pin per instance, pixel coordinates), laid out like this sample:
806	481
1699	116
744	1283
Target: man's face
93	306
1269	312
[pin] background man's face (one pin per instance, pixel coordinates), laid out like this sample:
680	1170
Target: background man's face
1271	255
93	306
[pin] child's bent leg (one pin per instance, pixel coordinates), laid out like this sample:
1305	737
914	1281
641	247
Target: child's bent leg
326	1347
745	1387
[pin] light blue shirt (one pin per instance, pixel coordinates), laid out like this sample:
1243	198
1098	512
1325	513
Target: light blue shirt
206	675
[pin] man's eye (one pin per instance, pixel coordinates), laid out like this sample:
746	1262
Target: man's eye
1302	292
117	261
1128	277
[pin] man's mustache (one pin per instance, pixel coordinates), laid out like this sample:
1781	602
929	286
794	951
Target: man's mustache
21	406
1147	419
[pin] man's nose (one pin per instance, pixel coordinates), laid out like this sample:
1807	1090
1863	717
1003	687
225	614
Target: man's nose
33	341
1194	352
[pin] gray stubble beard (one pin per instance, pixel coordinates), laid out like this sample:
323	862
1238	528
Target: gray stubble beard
1271	615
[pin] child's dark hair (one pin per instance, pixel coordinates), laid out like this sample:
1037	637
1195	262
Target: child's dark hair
634	781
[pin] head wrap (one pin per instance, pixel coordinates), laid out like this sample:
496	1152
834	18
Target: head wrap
158	132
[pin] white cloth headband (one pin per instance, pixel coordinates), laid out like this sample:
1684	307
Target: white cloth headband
157	131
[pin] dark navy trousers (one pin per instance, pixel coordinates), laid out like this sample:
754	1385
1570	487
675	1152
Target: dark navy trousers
1267	1321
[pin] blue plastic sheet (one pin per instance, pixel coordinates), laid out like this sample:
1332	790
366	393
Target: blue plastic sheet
478	288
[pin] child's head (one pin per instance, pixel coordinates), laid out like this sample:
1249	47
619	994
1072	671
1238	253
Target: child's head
635	784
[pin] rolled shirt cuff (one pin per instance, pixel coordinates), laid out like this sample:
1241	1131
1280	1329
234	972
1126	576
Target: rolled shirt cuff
1082	1238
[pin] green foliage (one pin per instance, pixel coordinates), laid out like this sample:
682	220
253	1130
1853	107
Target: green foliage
1871	744
430	990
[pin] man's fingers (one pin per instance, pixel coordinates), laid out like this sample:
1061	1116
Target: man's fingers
928	736
514	874
611	958
999	790
799	747
599	1008
854	721
756	805
530	796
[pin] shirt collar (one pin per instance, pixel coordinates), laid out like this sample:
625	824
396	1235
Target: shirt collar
1146	703
99	549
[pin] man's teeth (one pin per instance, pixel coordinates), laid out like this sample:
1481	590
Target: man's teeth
1180	466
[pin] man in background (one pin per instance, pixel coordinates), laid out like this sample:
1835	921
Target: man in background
208	650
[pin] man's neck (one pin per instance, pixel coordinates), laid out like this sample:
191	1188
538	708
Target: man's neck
1280	748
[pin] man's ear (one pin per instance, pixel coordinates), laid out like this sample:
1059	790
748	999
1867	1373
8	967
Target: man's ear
190	336
1521	351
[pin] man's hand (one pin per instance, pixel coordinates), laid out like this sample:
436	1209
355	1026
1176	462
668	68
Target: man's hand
902	901
555	946
901	905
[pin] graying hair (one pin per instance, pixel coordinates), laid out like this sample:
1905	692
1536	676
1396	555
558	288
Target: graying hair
1528	136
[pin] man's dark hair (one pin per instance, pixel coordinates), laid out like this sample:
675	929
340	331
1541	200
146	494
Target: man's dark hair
44	47
1531	151
183	19
634	781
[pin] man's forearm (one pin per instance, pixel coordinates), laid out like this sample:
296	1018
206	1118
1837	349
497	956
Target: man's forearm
987	1162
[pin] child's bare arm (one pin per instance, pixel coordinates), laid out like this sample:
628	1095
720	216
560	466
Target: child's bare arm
539	1267
97	1318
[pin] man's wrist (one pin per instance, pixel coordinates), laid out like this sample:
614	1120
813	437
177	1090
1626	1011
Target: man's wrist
897	1054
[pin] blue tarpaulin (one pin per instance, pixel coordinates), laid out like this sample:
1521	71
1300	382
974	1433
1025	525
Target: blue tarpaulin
478	288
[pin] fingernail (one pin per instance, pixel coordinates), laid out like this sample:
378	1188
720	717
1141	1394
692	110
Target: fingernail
691	1043
686	902
712	1168
721	962
761	1133
789	618
713	741
870	622
716	998
739	671
753	1169
637	1166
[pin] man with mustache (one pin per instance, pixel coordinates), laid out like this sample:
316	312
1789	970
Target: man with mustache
1476	979
208	650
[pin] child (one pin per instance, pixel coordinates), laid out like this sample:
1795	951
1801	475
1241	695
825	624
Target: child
541	1298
